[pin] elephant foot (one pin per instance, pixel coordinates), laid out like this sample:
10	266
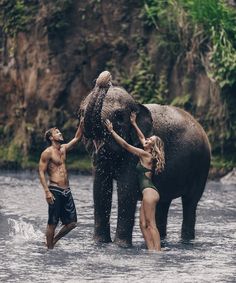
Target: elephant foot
187	235
102	239
162	232
163	237
123	243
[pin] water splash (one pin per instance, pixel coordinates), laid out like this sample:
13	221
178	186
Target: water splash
21	231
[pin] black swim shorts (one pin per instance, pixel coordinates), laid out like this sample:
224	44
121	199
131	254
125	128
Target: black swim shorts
63	208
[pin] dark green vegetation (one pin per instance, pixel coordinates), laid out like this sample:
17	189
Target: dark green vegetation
202	33
189	39
58	21
206	31
17	15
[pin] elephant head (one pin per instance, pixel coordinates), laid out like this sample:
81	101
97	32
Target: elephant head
106	101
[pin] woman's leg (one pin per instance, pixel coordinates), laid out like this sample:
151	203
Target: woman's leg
150	199
143	226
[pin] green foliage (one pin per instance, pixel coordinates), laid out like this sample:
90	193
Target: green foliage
212	13
204	12
205	30
167	17
59	19
15	153
143	84
161	13
181	101
223	59
218	21
3	152
227	162
215	19
17	15
11	157
79	162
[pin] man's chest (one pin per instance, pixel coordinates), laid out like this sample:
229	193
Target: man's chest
57	158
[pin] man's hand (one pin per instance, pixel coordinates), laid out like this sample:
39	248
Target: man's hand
49	197
133	116
109	125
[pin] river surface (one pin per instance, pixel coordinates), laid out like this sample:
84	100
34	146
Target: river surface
211	257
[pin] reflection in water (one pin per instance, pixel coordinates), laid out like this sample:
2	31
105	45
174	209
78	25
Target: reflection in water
23	256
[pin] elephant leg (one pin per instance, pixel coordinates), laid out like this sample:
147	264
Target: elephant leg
161	217
102	195
127	200
189	203
189	218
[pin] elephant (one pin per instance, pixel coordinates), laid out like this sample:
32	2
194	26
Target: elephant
187	160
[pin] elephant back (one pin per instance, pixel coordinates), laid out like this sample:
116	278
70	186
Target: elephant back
187	149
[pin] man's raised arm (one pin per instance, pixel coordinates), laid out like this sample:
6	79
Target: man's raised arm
78	135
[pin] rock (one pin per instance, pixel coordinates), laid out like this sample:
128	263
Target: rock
230	178
47	70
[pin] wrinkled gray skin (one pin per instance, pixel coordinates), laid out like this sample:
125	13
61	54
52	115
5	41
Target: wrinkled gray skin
187	152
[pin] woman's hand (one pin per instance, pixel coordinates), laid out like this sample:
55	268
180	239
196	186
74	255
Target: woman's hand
133	116
109	125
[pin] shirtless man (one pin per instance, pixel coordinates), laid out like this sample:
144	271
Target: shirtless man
57	191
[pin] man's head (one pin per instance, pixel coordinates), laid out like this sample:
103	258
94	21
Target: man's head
53	134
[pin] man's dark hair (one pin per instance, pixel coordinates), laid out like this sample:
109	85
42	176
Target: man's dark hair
48	134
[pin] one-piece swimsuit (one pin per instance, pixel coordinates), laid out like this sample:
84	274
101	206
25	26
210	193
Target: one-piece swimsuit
144	181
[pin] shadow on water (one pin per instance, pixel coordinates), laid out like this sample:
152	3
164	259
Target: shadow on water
76	258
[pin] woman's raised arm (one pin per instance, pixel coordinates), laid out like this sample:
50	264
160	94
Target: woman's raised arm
138	131
132	149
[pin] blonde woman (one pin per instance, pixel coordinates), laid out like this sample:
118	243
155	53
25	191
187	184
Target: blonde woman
151	160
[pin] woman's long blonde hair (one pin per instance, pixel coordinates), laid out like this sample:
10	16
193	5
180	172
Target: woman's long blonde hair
158	155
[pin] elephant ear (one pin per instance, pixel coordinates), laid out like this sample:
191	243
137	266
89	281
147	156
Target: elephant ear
144	122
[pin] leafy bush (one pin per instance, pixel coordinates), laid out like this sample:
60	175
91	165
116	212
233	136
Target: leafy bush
206	30
218	21
58	19
17	15
142	83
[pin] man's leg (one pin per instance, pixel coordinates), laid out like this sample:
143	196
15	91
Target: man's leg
64	230
53	218
50	235
68	216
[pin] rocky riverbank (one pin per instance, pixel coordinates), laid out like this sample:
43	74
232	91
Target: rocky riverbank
84	166
51	52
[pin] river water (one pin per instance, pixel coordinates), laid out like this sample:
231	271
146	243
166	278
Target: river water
76	258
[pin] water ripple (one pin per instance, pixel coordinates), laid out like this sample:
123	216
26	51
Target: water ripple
76	258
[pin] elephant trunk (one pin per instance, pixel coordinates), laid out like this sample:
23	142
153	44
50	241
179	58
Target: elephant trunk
92	117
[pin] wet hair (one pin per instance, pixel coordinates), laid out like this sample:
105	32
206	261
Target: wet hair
158	155
48	134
